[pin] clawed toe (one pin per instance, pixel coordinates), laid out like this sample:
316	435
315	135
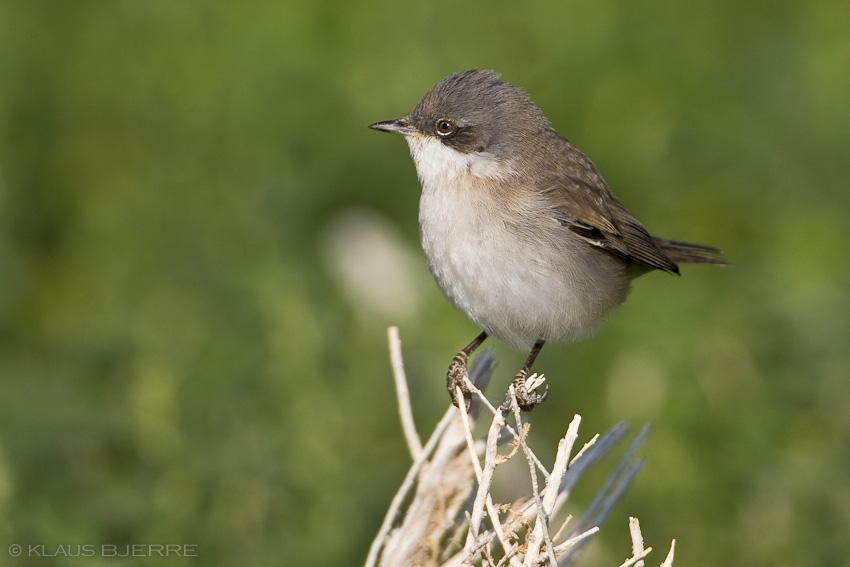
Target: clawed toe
457	376
524	388
526	399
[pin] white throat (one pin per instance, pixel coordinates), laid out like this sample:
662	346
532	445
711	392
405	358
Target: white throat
438	165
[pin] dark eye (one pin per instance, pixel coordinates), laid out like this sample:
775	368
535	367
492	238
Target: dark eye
445	127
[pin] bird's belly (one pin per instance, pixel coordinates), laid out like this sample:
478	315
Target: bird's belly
518	281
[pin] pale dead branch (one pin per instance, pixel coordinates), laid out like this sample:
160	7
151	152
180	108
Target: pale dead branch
452	519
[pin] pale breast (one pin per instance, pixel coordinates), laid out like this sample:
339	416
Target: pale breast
503	259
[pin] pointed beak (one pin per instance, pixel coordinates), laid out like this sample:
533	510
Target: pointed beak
400	126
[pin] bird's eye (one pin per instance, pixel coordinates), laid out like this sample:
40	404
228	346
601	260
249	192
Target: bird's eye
445	127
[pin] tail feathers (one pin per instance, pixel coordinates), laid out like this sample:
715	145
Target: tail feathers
684	253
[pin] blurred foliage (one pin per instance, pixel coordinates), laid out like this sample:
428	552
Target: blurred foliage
182	360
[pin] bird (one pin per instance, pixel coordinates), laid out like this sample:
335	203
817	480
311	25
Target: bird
519	229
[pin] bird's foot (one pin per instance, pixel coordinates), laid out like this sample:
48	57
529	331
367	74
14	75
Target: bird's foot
457	376
524	391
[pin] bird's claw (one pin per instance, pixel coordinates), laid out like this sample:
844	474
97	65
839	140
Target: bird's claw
457	376
527	399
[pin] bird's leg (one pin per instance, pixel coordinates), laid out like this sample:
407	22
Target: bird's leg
525	399
458	372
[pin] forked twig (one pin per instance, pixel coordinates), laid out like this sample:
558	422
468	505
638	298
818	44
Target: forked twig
448	472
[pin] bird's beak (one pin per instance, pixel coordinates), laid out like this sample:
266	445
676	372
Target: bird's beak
400	126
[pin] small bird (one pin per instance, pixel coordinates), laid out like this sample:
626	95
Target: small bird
519	229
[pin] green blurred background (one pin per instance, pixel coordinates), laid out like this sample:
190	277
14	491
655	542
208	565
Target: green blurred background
201	245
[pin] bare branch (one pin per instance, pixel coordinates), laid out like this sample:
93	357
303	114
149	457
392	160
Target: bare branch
453	497
405	487
481	497
637	541
414	444
668	562
477	391
542	525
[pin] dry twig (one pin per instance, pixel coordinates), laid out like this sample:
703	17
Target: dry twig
453	489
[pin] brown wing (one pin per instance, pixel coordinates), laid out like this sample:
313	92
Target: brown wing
583	203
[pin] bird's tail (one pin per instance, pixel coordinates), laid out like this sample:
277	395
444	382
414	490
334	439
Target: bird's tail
684	253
